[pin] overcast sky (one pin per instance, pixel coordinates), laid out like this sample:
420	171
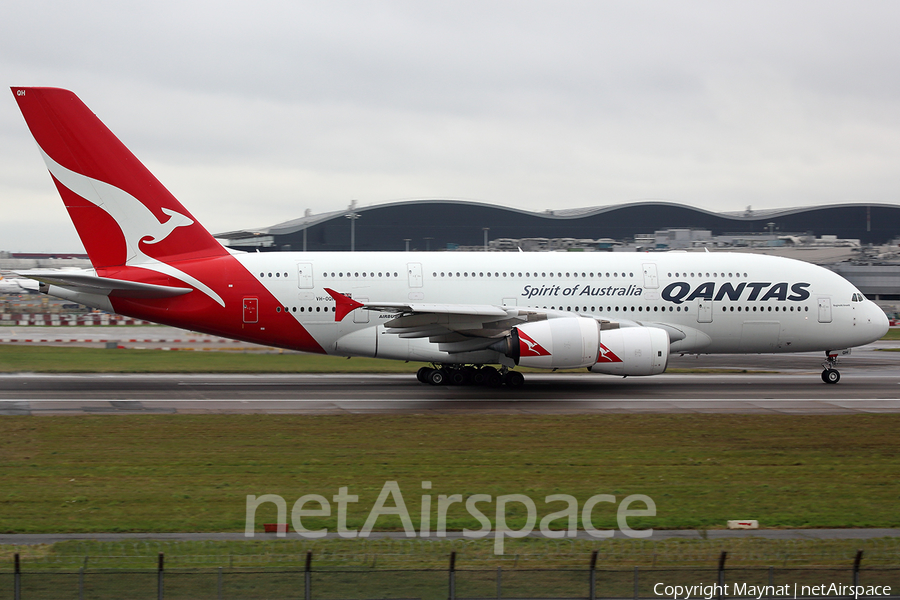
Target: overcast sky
251	113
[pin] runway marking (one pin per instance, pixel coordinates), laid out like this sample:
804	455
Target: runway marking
435	400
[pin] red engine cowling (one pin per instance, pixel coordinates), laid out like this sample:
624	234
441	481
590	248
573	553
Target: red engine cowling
632	351
571	343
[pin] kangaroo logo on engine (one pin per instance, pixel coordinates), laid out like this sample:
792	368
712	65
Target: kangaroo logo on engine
607	355
529	347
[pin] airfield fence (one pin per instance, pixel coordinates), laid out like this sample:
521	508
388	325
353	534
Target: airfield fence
307	581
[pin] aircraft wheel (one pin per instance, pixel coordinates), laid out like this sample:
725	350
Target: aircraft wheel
492	377
422	374
437	377
831	376
515	380
479	377
459	377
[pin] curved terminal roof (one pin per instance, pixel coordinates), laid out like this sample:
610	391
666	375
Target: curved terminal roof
439	224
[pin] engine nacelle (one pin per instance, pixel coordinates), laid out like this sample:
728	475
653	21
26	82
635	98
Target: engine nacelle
632	351
564	343
571	343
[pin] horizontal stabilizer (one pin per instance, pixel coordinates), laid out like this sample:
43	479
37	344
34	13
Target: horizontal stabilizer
88	283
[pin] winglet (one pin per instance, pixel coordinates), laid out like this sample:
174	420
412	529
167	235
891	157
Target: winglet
344	304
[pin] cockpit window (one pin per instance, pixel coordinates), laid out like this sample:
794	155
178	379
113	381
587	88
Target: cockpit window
857	298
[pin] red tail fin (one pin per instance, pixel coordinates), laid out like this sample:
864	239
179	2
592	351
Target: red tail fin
123	214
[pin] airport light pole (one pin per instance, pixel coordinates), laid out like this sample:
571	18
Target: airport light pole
306	215
353	216
485	229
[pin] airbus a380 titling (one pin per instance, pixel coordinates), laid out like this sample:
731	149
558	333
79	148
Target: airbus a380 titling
619	314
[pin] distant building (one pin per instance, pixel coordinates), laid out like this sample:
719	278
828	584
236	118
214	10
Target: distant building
452	225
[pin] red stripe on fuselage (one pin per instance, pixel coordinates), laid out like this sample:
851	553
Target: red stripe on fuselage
196	311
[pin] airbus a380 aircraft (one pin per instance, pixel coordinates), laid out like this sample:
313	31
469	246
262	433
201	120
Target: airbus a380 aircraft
17	285
620	314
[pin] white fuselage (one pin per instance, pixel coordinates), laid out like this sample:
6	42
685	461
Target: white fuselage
722	302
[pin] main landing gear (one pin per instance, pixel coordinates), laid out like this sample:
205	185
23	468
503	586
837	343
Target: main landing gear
830	374
470	375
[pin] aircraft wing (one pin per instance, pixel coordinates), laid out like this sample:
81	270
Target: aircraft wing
88	283
466	327
454	327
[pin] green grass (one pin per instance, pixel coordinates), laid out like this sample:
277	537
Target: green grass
433	553
892	334
58	359
160	473
415	569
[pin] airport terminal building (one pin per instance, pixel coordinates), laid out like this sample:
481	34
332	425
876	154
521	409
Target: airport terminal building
450	225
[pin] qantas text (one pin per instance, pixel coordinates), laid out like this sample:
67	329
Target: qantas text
680	291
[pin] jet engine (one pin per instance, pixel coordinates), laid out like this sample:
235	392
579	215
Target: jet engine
632	351
571	343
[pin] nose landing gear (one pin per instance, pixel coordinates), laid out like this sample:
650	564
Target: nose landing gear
830	374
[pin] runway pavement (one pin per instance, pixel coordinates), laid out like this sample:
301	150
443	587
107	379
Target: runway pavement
784	383
795	393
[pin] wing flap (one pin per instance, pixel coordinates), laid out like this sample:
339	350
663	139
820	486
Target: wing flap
476	310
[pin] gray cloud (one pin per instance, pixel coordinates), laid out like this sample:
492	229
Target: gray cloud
251	113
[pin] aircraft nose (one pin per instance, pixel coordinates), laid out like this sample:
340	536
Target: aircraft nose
878	321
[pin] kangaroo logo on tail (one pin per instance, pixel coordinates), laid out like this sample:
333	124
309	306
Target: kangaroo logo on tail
175	220
137	222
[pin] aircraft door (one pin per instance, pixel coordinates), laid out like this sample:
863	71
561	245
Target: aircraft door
824	310
360	315
704	310
305	276
414	270
251	310
651	278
